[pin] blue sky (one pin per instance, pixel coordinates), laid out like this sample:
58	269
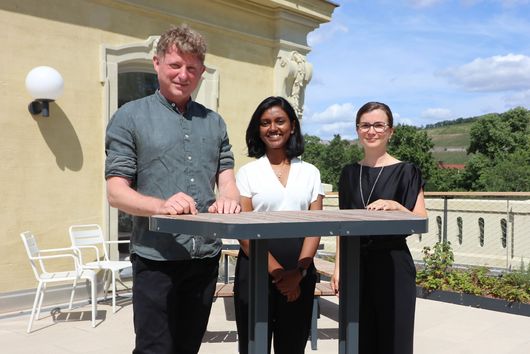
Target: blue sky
429	60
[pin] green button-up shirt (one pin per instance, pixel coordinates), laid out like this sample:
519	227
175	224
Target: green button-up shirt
164	152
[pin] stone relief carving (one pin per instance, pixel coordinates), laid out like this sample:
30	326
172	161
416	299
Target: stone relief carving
296	72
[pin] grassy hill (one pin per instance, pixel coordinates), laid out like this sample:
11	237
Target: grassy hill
450	142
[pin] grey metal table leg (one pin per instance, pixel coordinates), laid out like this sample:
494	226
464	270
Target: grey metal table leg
314	328
226	268
258	297
349	295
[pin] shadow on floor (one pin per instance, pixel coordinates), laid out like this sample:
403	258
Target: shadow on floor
59	315
220	337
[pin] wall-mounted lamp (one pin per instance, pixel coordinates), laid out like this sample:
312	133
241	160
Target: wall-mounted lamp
45	85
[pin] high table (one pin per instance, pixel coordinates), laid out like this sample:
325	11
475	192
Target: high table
259	227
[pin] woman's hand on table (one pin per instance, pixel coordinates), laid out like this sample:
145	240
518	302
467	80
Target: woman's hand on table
385	204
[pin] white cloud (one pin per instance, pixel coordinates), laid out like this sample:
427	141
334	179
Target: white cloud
424	3
334	113
518	99
497	73
325	33
514	2
335	119
437	114
401	120
404	121
342	128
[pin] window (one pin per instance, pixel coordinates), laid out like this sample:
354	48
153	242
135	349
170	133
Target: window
132	86
504	232
460	225
439	228
481	231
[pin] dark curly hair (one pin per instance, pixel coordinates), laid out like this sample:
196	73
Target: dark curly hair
256	147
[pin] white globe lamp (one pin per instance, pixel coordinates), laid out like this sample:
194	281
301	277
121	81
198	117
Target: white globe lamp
44	84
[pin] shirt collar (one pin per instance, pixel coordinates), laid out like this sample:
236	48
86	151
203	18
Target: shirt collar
173	105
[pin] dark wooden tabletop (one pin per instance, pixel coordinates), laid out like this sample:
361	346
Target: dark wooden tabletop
287	224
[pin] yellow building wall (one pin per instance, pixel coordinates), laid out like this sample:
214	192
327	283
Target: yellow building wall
53	168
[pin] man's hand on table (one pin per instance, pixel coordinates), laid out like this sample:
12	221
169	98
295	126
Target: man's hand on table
177	204
225	205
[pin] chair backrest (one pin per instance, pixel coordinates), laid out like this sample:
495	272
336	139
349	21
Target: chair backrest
88	235
32	250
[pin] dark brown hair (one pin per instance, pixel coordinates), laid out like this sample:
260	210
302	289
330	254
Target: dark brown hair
256	147
372	106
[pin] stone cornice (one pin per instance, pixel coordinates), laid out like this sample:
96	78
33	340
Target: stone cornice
266	22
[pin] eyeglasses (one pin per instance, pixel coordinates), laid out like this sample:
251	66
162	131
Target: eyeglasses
379	127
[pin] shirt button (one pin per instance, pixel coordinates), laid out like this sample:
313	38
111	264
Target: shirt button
189	157
186	136
192	179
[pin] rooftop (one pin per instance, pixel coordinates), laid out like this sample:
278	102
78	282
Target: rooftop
441	328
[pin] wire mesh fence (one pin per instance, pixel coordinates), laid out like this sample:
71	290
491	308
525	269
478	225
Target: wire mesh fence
484	229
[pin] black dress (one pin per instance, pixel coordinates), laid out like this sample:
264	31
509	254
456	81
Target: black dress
388	274
289	322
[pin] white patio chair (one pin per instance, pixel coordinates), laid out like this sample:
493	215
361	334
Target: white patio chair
36	259
90	236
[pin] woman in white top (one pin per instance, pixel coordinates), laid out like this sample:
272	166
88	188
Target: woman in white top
279	180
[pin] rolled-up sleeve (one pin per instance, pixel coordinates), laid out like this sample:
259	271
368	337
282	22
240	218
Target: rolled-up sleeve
120	148
226	156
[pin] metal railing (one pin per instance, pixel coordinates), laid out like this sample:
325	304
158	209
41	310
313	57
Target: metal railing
485	228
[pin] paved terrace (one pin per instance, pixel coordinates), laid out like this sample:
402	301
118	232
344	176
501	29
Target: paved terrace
440	328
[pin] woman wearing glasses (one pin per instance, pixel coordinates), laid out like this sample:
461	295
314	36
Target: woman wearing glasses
388	276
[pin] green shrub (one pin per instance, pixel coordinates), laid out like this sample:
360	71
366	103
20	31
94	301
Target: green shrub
438	274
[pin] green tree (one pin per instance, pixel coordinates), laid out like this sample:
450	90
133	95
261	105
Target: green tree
330	158
337	153
313	149
491	136
500	143
518	119
445	179
470	180
511	173
414	145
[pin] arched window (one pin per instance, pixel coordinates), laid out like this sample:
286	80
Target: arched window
504	232
481	231
460	225
132	85
439	228
135	85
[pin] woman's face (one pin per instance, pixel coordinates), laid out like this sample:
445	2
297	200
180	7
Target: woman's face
275	128
373	129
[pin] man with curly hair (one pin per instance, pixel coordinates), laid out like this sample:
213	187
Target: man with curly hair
165	153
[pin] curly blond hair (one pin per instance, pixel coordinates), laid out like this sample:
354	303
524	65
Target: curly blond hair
184	39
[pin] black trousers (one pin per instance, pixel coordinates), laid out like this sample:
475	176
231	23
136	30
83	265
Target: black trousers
388	298
289	322
172	302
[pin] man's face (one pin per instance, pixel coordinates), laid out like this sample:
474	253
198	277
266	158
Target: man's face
178	75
